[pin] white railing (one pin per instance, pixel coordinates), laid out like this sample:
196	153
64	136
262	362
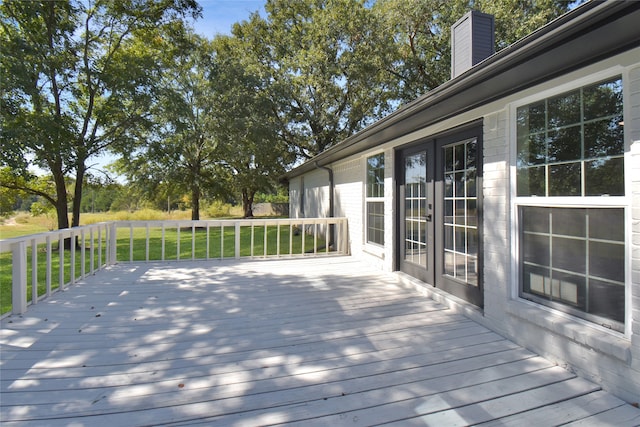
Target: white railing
93	247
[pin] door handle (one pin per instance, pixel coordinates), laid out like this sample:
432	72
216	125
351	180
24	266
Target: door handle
428	217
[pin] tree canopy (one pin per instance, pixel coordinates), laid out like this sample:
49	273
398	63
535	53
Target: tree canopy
76	82
212	118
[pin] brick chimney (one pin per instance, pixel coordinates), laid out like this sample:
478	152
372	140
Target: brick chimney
472	40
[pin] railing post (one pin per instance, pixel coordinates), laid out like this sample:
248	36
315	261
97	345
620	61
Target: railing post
49	261
19	271
237	237
72	256
83	253
112	243
34	271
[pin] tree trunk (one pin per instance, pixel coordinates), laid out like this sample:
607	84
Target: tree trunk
195	203
62	210
247	202
77	195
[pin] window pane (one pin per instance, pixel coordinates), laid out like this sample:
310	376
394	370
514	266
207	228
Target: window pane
448	211
568	289
606	260
459	239
471	155
375	222
564	180
458	157
536	250
564	145
603	138
532	149
536	219
472	212
531	181
470	183
458	184
449	263
460	216
564	109
604	176
536	280
607	300
569	222
472	271
375	176
448	159
448	185
569	254
606	224
448	237
472	241
603	99
531	118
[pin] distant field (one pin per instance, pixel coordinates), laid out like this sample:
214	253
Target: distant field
24	223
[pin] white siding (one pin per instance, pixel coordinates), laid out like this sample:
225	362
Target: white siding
349	188
316	194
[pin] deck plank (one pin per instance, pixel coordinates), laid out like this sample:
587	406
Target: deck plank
309	342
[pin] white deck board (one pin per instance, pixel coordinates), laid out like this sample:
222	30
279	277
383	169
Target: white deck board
309	342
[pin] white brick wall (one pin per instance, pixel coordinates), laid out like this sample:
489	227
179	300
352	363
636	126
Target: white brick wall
496	242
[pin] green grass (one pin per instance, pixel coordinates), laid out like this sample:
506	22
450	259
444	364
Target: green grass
139	253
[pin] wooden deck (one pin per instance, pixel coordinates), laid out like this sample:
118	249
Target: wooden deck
324	342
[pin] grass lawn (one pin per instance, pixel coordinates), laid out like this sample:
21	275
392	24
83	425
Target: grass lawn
221	243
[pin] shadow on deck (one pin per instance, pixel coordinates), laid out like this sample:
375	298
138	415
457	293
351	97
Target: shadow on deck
310	342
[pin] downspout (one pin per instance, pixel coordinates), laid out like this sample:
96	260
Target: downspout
331	200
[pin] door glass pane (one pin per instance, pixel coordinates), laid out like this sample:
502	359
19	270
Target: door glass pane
415	167
460	212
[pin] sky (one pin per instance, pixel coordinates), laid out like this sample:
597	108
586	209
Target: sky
218	16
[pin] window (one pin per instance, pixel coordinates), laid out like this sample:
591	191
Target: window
572	144
461	212
570	150
374	199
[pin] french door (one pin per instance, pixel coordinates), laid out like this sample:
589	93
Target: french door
439	212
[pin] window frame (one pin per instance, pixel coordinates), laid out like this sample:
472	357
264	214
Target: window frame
603	201
379	200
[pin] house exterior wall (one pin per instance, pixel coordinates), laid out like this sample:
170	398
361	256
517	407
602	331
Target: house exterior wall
606	357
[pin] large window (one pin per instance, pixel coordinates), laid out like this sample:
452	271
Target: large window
570	179
572	144
375	199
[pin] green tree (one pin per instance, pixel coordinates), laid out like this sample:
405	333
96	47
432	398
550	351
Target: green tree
182	153
252	151
12	185
417	52
77	81
319	59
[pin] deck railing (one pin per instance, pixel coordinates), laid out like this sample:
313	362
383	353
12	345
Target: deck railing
93	247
